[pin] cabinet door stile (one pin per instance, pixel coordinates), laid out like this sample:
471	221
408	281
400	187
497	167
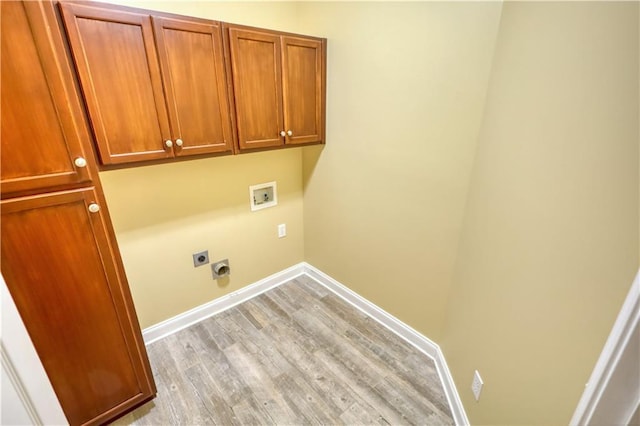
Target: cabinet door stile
40	140
193	73
257	83
303	89
117	63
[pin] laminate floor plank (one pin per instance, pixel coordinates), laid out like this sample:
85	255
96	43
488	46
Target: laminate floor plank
365	368
393	355
307	402
323	380
271	303
295	355
366	326
314	287
261	384
253	316
216	333
249	413
362	387
213	359
211	400
282	292
421	375
357	415
269	354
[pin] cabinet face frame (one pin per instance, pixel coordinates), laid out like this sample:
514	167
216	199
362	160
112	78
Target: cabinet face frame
171	83
97	105
104	282
75	140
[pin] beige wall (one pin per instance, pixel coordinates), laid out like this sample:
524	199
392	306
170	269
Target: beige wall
549	246
164	213
277	15
384	199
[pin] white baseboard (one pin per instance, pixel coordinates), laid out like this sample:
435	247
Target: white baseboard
199	313
407	333
413	337
457	409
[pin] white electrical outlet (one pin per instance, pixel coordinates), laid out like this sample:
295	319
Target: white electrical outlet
282	230
476	386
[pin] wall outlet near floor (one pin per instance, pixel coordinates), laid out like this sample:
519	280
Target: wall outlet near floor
282	230
201	258
476	386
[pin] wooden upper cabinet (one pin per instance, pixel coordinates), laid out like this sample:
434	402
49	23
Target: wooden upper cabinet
58	263
192	63
257	85
303	89
116	59
155	86
279	87
42	140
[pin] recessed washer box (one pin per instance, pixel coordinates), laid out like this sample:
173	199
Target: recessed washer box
263	195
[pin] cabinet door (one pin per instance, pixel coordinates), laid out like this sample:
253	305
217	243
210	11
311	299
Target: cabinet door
192	63
43	129
303	89
257	85
58	264
117	63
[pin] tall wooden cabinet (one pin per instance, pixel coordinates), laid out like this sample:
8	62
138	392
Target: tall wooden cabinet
278	87
59	257
155	86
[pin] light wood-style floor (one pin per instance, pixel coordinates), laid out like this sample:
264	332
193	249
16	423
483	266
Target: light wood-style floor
295	355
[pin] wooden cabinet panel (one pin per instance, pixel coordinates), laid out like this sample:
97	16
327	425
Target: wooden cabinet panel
116	59
255	64
279	87
303	82
192	63
58	264
40	140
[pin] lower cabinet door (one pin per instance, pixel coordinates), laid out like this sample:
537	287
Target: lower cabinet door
60	268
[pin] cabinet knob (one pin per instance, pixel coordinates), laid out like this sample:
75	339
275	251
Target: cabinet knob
94	208
168	143
80	162
179	142
289	132
283	134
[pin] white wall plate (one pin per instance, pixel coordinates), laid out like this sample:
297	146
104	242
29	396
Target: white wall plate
263	195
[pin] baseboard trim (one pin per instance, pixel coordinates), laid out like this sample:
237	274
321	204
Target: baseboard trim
199	313
459	415
413	337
